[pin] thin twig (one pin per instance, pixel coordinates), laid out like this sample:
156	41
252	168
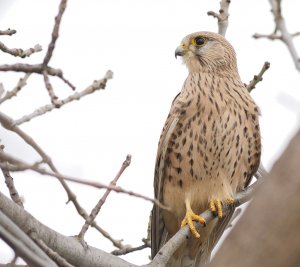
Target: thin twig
129	249
99	84
9	181
27	68
222	16
9	124
283	34
257	78
62	7
95	211
25	166
8	32
18	52
48	85
14	91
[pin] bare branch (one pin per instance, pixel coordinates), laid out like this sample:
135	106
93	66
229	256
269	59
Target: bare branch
97	208
257	78
8	32
37	68
23	165
22	244
68	247
52	254
9	124
222	16
99	84
53	97
272	36
14	91
18	52
165	253
55	31
27	68
9	181
128	250
283	35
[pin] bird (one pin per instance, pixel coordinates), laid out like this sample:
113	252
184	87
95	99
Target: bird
209	149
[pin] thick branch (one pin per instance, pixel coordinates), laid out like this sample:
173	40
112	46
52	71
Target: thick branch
68	247
21	243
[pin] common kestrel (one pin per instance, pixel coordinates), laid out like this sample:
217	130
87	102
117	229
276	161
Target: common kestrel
209	148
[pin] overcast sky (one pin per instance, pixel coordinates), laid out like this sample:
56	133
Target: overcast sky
90	139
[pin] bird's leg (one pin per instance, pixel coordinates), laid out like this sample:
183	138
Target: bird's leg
190	216
215	205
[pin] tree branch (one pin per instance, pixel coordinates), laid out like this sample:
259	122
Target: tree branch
284	35
91	218
222	16
61	10
8	32
166	252
9	124
69	247
97	85
257	78
14	91
18	52
20	242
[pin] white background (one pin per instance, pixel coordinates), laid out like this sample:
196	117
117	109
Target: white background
89	139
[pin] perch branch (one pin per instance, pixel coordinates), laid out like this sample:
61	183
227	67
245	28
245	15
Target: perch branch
165	253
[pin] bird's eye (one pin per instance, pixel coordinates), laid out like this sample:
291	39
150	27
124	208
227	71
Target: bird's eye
199	41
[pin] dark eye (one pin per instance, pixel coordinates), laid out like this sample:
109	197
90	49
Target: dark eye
199	40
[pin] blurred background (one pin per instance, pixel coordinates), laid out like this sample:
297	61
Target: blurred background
90	138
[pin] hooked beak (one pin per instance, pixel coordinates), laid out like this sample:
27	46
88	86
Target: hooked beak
180	51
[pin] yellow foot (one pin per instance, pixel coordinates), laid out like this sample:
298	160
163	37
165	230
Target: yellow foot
190	216
215	205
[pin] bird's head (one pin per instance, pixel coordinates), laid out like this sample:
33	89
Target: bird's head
207	52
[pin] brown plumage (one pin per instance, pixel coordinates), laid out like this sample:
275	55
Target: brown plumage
209	147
